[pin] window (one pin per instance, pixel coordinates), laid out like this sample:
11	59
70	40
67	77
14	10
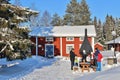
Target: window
81	38
69	38
49	38
69	47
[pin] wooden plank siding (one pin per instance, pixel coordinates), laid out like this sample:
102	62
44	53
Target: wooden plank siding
57	45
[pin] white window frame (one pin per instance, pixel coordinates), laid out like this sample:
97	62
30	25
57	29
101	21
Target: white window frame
69	45
69	38
49	39
81	38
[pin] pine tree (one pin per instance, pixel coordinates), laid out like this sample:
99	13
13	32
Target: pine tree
77	13
56	20
99	31
117	24
14	42
71	13
118	31
95	22
109	27
84	13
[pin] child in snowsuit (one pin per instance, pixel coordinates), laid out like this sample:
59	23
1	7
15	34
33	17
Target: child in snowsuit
76	62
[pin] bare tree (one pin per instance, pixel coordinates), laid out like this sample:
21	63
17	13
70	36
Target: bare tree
35	19
46	19
17	3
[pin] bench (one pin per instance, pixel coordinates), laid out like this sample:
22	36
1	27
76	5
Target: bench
85	66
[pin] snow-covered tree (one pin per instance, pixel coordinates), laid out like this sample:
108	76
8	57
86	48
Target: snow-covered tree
14	41
84	13
71	13
117	24
77	13
56	20
109	26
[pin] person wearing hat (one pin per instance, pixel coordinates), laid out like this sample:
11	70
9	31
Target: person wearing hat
72	57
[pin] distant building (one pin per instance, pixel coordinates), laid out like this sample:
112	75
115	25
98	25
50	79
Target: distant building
113	43
99	46
58	40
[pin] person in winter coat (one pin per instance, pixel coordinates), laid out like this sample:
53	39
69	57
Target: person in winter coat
99	62
96	51
96	56
84	55
72	58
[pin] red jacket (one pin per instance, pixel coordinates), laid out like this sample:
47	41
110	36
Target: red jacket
99	57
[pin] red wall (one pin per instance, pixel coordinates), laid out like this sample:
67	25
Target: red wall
42	42
56	46
76	43
33	39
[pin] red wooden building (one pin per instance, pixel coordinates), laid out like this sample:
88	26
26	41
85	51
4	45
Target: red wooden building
99	46
58	40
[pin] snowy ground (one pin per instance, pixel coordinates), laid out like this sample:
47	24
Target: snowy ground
39	68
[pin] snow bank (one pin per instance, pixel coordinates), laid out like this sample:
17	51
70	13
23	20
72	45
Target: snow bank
13	70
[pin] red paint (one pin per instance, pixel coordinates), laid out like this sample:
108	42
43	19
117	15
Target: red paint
57	45
99	46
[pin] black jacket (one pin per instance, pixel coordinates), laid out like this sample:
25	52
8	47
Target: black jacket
72	54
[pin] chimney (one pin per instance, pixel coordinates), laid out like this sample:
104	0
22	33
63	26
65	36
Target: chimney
86	45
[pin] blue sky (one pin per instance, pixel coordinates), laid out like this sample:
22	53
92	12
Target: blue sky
98	8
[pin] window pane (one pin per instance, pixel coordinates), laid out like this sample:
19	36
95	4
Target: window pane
69	47
81	38
70	38
49	38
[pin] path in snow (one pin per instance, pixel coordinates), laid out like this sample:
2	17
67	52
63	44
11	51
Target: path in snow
60	70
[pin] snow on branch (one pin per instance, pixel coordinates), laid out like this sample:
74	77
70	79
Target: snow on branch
3	19
13	7
4	48
11	46
20	18
8	43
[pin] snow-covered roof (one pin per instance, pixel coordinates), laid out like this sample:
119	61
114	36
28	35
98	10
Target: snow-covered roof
62	31
117	40
98	43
